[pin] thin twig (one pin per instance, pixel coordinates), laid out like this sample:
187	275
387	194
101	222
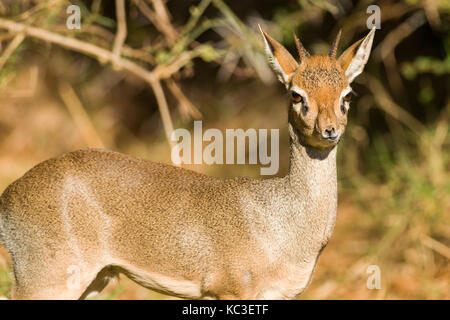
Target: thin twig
121	33
80	116
105	56
187	108
160	8
103	39
161	11
431	8
5	36
167	70
160	19
386	103
386	49
164	110
403	31
436	246
12	46
39	6
102	55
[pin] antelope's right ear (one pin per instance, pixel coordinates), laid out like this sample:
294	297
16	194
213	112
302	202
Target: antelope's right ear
355	57
280	59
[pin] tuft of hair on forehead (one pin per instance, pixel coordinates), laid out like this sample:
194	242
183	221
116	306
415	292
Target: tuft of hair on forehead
320	71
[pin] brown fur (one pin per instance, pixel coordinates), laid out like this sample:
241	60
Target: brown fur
324	80
174	230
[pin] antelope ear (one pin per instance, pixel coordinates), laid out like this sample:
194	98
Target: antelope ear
280	59
353	60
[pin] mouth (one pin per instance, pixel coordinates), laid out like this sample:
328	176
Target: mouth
331	138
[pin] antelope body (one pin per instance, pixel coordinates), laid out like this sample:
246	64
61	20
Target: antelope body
73	222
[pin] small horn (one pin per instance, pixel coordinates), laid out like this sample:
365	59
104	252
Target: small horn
335	45
301	50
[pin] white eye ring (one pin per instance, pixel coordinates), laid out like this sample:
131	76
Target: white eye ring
297	106
345	105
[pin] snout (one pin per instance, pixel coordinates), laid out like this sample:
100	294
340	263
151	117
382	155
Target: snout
331	134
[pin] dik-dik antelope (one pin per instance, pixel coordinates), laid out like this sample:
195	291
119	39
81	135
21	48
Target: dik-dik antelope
180	232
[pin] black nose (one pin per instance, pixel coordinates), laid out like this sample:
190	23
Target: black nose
330	133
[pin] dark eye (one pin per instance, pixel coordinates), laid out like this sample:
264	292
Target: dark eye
296	98
348	97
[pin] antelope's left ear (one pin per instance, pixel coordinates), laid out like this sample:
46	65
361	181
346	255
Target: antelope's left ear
353	60
280	59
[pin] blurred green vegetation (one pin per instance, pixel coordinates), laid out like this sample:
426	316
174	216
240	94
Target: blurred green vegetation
393	165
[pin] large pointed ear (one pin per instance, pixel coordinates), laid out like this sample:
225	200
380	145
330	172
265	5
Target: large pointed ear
280	59
353	60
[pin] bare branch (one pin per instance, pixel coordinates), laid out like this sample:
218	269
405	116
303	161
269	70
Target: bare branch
160	19
105	56
431	8
12	46
386	49
165	71
386	103
80	116
121	33
161	11
436	246
187	108
164	110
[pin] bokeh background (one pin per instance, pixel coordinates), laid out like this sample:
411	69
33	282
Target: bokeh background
204	60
